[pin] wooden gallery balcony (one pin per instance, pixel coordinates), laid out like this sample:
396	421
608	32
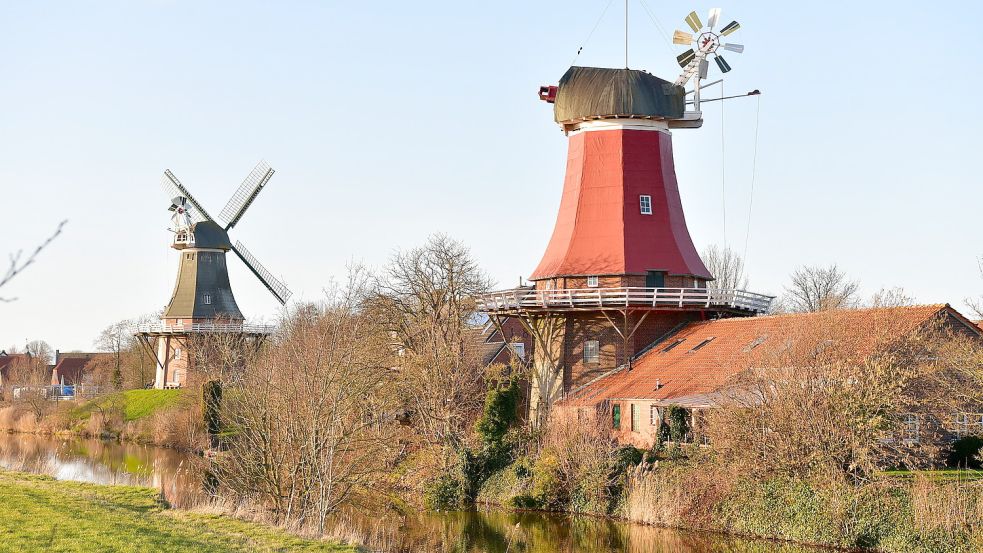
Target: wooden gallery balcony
161	329
519	300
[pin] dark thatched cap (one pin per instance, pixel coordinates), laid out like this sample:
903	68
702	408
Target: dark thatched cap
598	92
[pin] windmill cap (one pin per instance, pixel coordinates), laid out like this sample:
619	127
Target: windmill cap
209	235
600	92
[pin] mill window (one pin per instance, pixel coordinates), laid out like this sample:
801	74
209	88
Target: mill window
592	351
519	349
634	417
206	299
177	353
616	416
645	204
592	282
654	416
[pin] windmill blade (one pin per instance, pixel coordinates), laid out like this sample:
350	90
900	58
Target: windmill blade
730	28
693	21
739	48
244	196
686	57
277	288
713	18
682	37
722	64
173	187
704	69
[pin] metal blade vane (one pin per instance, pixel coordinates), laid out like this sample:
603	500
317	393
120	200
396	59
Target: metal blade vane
244	196
277	288
173	187
694	22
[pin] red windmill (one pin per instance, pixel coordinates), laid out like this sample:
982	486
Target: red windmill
620	269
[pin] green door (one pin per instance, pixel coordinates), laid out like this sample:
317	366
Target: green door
655	279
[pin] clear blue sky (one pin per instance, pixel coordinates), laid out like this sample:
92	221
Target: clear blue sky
389	121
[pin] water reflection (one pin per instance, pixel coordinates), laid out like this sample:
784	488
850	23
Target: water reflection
505	532
176	474
179	477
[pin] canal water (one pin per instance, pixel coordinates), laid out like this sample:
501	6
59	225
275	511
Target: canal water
179	478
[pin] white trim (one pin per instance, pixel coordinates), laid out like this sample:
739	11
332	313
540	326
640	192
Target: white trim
644	199
659	125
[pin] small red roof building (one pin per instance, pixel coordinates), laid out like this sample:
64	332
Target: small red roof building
691	367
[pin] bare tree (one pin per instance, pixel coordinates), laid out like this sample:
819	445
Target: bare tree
17	263
823	400
976	304
727	268
815	288
116	339
425	300
41	352
891	297
312	412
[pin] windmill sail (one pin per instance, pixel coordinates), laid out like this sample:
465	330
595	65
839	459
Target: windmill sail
244	196
174	188
277	288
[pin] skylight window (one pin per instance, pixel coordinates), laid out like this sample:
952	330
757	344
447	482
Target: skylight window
701	344
670	347
756	342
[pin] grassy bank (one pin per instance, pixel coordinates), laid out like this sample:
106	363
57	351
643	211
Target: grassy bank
43	514
133	404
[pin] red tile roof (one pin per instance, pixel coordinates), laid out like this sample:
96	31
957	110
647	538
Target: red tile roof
689	370
72	366
8	360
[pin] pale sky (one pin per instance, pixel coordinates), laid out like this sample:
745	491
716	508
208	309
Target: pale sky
389	121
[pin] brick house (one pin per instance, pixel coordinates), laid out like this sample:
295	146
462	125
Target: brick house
694	365
9	362
71	368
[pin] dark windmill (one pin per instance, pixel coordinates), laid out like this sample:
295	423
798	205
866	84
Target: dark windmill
202	302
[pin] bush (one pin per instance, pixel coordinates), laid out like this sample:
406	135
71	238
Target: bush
548	488
627	457
964	453
443	493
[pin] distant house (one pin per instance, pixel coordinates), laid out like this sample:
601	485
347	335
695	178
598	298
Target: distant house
498	348
71	368
693	366
9	361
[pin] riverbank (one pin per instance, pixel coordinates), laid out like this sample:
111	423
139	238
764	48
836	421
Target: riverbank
43	514
164	418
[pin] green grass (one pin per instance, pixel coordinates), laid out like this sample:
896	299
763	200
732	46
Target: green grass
943	475
136	404
38	513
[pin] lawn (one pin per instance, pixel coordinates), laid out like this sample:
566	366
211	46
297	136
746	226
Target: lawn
136	404
944	475
38	513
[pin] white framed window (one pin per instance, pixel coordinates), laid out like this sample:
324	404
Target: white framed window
592	281
519	349
634	417
206	299
960	424
645	204
177	353
592	351
654	418
911	427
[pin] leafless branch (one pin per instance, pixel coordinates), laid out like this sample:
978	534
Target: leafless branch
17	266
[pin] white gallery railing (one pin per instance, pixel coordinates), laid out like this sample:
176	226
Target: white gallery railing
668	298
161	328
